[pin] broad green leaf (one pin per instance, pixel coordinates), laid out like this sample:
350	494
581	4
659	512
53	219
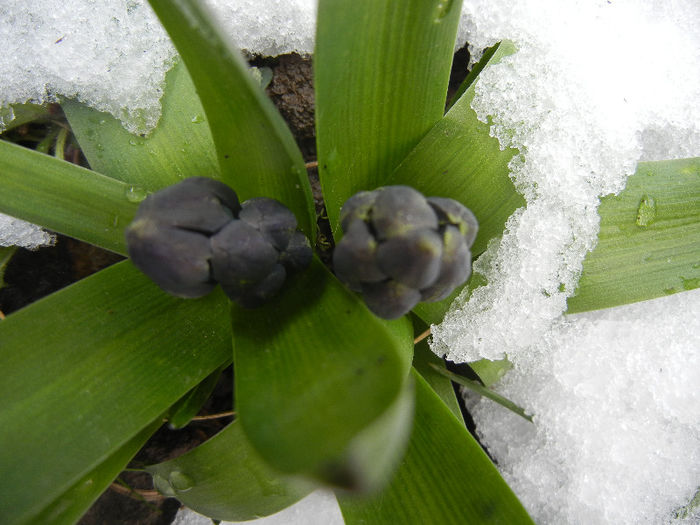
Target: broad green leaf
445	477
256	151
649	240
73	503
225	479
313	369
381	70
189	405
86	369
64	197
179	147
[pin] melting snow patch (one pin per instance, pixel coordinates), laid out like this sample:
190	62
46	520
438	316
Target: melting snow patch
14	232
114	55
594	88
581	103
616	433
318	508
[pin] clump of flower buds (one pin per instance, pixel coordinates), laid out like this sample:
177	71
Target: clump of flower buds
400	248
195	234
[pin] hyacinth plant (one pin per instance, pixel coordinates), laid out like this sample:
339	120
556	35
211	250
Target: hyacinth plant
326	393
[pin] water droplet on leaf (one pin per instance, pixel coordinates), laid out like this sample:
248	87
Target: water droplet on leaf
135	194
441	10
198	119
646	213
180	481
163	486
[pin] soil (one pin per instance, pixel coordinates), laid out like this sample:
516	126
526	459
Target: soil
31	275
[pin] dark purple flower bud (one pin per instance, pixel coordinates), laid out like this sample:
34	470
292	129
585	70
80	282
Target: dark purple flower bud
400	248
449	211
176	260
198	204
241	255
455	266
189	236
389	299
271	218
412	259
354	258
400	209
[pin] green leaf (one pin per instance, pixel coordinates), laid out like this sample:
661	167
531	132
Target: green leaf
489	371
423	361
16	115
180	146
460	160
64	197
256	151
182	412
73	503
225	479
381	70
313	369
88	368
649	240
445	477
6	253
477	387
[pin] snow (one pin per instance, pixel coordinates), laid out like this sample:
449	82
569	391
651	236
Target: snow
15	232
595	87
582	115
318	508
616	433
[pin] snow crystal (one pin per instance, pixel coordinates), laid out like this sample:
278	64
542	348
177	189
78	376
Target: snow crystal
14	232
318	508
616	434
114	55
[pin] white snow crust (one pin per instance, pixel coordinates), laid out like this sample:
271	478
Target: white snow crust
318	508
595	87
15	232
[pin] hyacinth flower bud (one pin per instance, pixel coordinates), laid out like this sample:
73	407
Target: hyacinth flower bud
195	234
252	256
400	248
